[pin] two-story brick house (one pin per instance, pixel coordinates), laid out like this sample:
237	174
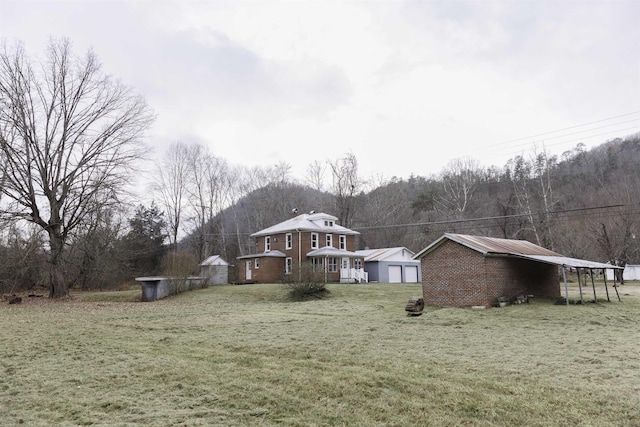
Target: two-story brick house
314	239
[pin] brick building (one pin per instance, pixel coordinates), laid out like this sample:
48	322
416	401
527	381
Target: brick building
460	270
313	239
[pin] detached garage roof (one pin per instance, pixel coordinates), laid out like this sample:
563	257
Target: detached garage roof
372	255
492	246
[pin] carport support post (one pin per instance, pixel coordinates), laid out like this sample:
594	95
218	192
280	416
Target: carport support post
579	285
615	285
593	285
566	289
604	274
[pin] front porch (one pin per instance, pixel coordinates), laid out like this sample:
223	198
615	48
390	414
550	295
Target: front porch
345	266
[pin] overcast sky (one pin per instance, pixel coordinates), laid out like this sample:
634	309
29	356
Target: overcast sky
405	86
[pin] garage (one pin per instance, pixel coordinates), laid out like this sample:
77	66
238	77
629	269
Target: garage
391	265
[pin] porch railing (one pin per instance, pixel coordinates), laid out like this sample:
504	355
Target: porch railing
353	275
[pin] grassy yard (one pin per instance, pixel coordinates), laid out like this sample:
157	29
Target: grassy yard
244	356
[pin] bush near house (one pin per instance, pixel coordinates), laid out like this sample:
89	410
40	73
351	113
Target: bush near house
304	284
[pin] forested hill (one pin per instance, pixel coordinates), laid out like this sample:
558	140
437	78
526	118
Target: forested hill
584	203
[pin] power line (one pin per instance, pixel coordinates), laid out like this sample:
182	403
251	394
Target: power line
532	139
563	129
488	218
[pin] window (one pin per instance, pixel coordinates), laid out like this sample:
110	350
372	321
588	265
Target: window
288	265
267	243
343	243
316	264
357	263
289	241
256	263
332	264
329	240
328	223
314	240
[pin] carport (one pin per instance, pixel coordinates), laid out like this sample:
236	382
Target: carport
580	265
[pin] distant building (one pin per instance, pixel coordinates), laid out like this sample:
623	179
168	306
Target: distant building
391	265
314	240
215	270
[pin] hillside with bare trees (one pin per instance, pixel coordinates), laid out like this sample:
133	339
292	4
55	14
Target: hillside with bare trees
584	203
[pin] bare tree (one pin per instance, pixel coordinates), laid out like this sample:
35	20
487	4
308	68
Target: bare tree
206	191
534	193
171	183
459	181
346	185
315	175
69	135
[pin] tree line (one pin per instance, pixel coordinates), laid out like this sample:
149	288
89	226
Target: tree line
71	139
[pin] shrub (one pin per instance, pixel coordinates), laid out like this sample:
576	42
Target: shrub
305	284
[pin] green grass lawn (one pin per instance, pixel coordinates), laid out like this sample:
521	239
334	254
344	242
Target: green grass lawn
244	356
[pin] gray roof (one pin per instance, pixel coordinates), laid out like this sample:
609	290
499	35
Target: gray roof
268	254
372	255
571	262
507	247
332	252
306	222
214	260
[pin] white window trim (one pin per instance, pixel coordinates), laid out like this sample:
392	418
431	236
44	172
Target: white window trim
329	240
288	241
332	265
317	264
288	265
267	243
314	244
343	242
256	263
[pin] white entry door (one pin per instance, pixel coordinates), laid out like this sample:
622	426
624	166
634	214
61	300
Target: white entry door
248	271
395	274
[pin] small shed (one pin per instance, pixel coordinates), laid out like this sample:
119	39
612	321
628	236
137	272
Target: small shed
461	270
215	269
391	265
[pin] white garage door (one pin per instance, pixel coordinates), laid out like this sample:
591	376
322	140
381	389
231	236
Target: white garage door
411	272
395	274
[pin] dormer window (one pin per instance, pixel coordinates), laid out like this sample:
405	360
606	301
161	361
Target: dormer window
328	223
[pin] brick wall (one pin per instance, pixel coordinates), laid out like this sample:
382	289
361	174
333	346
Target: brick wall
270	270
454	275
510	277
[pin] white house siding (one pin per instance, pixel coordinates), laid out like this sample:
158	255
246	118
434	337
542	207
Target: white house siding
631	272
